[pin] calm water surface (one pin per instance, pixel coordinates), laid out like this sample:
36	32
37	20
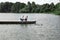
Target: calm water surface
47	27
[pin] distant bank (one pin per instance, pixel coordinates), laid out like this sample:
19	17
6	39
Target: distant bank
9	7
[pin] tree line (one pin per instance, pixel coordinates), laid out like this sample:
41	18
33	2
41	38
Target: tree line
9	7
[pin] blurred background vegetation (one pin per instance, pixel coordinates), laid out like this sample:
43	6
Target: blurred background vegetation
9	7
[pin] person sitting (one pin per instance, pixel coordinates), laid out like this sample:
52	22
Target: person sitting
22	18
26	18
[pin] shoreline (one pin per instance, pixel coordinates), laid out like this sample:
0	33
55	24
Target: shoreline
37	13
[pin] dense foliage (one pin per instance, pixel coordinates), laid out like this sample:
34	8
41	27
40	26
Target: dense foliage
9	7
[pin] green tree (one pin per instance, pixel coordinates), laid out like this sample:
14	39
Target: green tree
52	7
33	7
1	7
24	10
29	7
5	7
57	9
16	7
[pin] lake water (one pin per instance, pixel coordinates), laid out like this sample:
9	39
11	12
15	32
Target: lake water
47	27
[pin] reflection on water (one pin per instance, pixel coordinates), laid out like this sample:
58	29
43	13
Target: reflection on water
47	27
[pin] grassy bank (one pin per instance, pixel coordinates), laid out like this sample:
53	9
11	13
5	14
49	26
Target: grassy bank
56	12
18	7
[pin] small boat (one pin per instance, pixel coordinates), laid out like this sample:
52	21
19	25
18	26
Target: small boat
17	22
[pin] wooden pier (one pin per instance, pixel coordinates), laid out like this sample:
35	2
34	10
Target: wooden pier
17	22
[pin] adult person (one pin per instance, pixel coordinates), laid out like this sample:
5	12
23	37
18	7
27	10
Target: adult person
22	19
26	18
